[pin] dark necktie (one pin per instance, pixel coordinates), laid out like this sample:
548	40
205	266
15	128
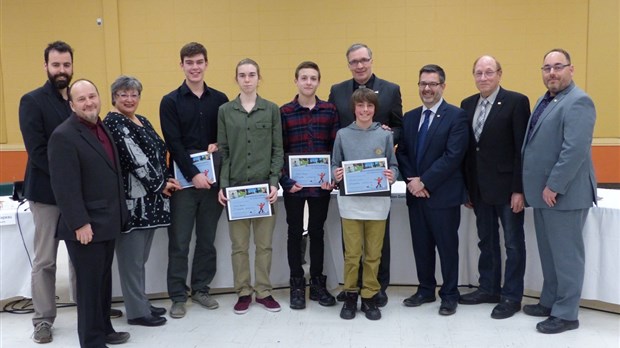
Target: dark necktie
422	136
536	115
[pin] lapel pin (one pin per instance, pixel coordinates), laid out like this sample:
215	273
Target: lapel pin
499	103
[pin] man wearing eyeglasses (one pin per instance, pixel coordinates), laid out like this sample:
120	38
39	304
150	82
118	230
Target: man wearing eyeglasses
497	120
430	155
389	114
559	183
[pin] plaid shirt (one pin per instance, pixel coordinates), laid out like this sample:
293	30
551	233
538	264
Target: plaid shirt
307	131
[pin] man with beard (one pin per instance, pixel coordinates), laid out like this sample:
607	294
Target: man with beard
40	112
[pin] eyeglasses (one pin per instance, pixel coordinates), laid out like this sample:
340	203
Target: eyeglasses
432	85
557	68
489	73
127	96
356	62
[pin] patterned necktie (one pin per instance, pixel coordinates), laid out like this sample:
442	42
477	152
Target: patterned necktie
536	115
422	136
482	117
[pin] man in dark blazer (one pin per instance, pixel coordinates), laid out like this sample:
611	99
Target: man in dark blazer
430	155
497	119
40	112
88	186
389	113
559	183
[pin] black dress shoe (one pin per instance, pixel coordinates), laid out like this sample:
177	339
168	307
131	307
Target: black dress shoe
554	325
505	309
537	310
158	311
417	299
115	313
381	298
447	307
117	337
149	320
478	297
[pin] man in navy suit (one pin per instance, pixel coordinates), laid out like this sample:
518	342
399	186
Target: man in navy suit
430	155
497	119
389	114
40	112
87	183
559	183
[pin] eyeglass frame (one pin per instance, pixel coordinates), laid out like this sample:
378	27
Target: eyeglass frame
487	74
127	96
431	85
556	67
356	62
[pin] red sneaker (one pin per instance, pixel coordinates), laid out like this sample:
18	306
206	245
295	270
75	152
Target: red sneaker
243	304
269	303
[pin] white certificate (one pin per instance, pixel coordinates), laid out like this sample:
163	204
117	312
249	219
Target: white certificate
248	202
204	162
365	176
310	170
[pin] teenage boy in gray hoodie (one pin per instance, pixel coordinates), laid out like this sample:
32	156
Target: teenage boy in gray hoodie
363	217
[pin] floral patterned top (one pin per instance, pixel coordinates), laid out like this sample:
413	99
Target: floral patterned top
142	154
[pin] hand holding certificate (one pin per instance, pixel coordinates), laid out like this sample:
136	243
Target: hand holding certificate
201	160
310	170
366	176
247	202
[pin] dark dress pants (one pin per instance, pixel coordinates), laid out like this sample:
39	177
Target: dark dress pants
317	213
93	270
430	228
189	206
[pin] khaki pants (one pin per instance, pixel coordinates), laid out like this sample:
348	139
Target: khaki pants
362	237
240	238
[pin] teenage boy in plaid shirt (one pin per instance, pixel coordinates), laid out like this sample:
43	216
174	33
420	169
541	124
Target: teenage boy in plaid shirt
309	125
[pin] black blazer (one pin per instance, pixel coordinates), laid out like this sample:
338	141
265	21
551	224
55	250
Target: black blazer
40	112
441	165
390	104
493	165
87	185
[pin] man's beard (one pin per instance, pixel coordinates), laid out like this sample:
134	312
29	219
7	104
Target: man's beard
60	84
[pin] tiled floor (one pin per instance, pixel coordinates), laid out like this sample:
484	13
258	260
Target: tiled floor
318	326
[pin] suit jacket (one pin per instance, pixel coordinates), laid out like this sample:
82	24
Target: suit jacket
87	185
390	104
558	153
493	164
40	112
444	149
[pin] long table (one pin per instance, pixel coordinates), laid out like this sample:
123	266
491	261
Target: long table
601	237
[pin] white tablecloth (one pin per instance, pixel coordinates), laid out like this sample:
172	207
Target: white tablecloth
601	237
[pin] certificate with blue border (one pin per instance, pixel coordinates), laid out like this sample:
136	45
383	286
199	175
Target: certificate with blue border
201	160
248	202
310	170
365	176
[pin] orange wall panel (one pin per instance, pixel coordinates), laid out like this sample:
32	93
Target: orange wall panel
606	163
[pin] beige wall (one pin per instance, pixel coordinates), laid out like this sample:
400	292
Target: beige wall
143	38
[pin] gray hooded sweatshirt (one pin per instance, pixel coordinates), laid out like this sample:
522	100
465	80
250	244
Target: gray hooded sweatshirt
355	143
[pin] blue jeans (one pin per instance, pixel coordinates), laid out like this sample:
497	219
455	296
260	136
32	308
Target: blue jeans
490	262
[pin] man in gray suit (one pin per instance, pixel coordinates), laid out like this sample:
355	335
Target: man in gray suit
389	114
559	183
